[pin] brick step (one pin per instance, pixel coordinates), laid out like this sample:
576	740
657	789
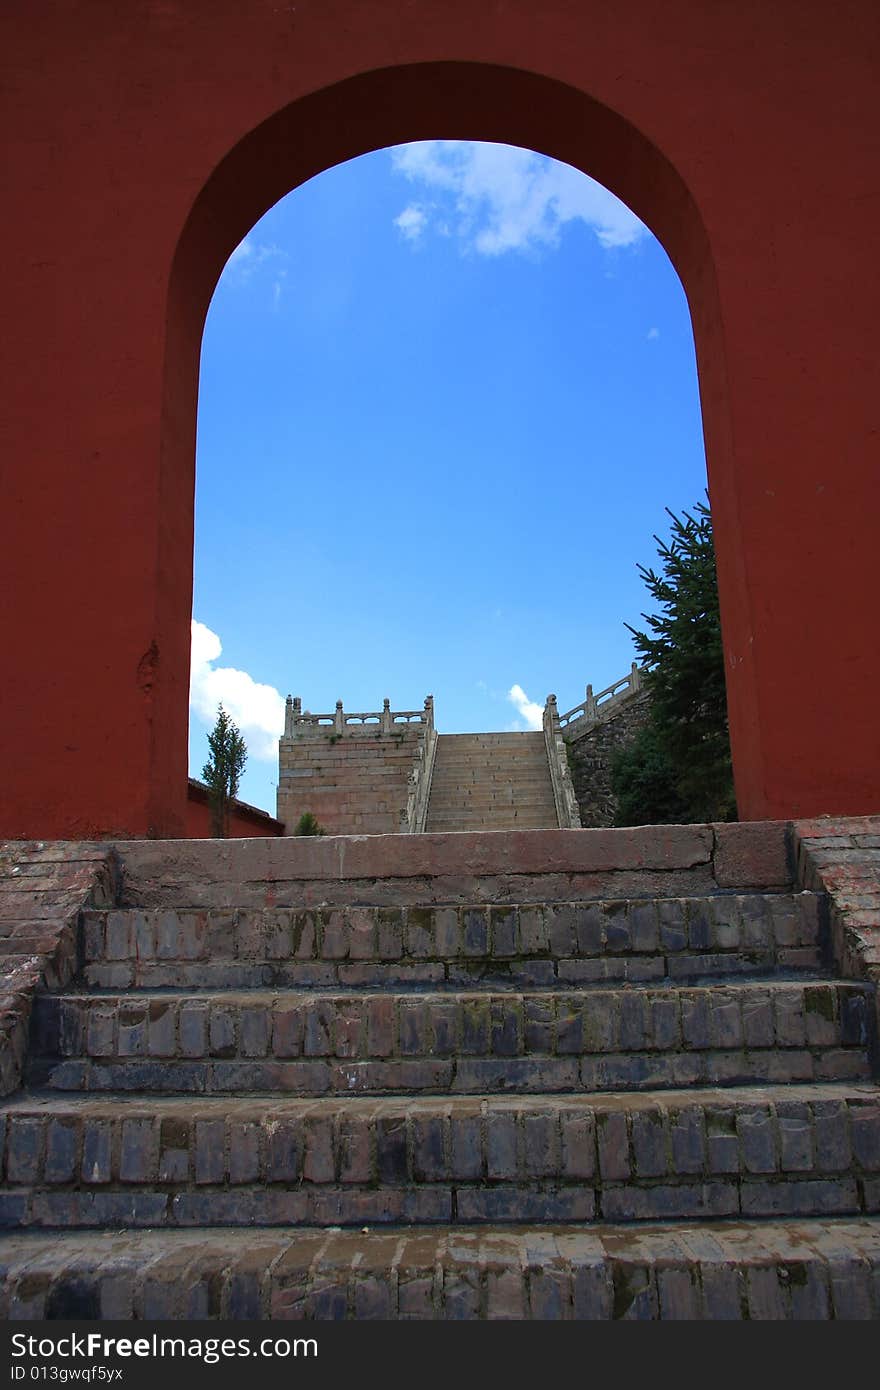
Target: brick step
774	1151
491	788
799	1270
564	943
320	1041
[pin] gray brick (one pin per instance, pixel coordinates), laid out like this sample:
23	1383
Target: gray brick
613	1145
649	1143
210	1151
831	1133
138	1158
501	1146
795	1137
62	1150
163	1030
755	1130
688	1140
97	1135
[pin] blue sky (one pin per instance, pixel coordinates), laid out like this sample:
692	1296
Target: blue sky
446	393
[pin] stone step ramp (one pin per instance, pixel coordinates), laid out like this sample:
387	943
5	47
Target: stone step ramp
499	782
319	1041
798	1270
774	1151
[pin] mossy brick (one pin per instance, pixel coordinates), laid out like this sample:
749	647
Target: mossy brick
539	1023
672	926
304	937
649	1143
617	927
430	1163
600	1015
444	1026
506	1026
175	1137
390	933
419	932
699	923
855	1019
569	1025
589	929
561	921
503	931
447	931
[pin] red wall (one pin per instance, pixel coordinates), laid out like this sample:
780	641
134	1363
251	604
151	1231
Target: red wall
143	140
245	822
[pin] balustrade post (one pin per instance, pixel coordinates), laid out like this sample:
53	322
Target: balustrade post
429	711
386	723
338	720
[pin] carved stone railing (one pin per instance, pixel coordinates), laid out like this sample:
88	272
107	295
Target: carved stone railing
567	813
299	723
415	814
595	709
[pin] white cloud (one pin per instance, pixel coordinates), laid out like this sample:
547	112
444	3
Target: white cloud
500	198
652	334
532	713
412	222
250	257
257	709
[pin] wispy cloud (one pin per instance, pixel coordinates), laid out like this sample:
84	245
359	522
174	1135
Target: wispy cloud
528	710
652	334
257	709
499	198
254	259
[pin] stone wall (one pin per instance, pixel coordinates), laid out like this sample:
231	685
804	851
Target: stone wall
356	783
591	755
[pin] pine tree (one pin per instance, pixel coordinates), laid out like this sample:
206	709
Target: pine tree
679	766
222	773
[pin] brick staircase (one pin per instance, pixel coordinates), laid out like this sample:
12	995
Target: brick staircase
565	1074
491	782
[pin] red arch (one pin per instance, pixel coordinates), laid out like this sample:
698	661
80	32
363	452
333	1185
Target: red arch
153	137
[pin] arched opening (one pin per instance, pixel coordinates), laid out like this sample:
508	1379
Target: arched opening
448	100
446	392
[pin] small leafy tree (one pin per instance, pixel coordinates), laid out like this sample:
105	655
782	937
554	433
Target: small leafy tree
308	825
222	772
679	767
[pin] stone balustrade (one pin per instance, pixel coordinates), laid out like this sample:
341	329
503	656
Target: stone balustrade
567	813
596	708
299	723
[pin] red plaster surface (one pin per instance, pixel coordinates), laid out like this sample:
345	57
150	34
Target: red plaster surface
143	140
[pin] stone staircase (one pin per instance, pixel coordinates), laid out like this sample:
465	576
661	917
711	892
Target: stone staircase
564	1074
491	782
